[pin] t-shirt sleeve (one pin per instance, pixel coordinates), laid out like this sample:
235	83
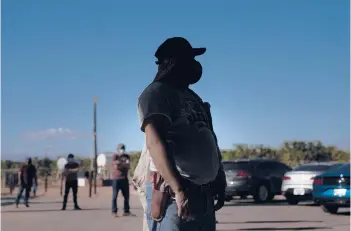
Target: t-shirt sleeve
154	101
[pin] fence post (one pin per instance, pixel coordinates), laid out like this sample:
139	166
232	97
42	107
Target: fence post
46	182
90	182
11	182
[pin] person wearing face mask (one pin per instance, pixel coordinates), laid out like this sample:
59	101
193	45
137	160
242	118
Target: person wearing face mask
70	176
185	161
120	168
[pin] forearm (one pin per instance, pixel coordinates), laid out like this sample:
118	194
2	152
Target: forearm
220	161
220	179
164	165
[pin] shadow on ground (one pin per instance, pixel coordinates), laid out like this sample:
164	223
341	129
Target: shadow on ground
10	200
261	222
344	213
53	210
281	229
310	205
58	209
45	202
252	203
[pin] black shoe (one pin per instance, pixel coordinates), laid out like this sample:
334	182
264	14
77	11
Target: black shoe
77	208
128	214
63	208
27	205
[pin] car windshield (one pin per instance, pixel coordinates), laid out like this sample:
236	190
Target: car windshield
230	166
314	168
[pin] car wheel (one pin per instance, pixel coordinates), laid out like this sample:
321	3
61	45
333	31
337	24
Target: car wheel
333	209
292	200
262	194
228	198
243	197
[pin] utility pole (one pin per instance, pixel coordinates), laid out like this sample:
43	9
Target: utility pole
95	146
90	181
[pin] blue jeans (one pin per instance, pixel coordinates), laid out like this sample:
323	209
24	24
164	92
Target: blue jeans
123	185
26	188
205	216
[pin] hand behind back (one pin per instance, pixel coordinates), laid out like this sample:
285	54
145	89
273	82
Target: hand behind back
183	206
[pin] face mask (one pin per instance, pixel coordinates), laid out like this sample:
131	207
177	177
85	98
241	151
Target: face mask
70	159
182	72
195	72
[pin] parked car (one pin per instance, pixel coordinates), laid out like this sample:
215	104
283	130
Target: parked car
298	184
260	178
332	188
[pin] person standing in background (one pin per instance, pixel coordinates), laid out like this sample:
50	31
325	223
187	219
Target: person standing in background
26	174
70	175
120	169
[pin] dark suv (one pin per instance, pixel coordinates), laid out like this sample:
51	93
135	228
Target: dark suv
261	178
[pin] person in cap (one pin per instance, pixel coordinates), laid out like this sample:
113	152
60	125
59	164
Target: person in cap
120	182
26	174
185	158
70	176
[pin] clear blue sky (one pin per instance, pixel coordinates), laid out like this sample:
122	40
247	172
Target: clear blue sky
273	70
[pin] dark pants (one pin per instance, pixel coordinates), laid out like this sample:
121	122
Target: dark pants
74	185
23	187
122	185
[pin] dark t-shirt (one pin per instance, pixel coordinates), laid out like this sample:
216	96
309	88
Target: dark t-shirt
119	171
189	137
71	175
28	172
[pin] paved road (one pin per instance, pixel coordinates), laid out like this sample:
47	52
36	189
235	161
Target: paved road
45	214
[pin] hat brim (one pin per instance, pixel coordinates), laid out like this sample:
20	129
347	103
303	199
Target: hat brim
198	51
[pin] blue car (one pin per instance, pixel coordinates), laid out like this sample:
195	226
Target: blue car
332	188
